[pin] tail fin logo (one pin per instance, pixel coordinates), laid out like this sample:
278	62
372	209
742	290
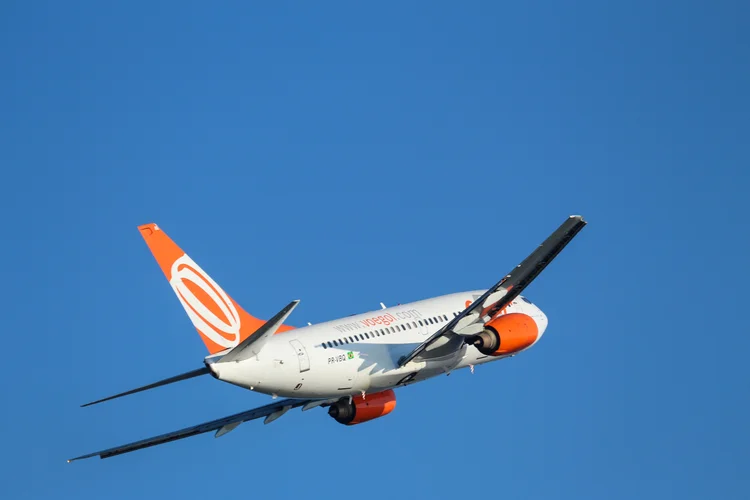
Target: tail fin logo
213	313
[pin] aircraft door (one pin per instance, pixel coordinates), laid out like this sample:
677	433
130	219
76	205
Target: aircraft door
304	361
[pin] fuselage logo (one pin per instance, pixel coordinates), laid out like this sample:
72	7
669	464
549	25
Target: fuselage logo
205	316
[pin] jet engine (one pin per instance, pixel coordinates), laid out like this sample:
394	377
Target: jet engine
362	409
506	334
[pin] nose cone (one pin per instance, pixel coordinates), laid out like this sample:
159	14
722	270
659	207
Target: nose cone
541	321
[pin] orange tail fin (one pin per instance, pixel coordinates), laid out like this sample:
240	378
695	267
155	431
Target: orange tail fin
220	321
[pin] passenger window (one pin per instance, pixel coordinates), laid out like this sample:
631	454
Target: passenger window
414	324
391	329
430	320
330	345
367	336
445	318
351	340
408	326
420	323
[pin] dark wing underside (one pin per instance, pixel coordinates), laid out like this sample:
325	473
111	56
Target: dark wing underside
222	425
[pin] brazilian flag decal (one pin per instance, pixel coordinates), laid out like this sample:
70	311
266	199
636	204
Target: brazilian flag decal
350	355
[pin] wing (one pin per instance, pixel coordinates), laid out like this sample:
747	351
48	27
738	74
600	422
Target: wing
222	426
472	319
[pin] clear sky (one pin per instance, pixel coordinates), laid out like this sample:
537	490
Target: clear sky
351	154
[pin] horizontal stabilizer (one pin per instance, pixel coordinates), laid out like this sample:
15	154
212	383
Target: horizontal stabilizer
170	380
252	345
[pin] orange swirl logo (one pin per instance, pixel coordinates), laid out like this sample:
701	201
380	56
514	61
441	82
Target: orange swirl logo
187	279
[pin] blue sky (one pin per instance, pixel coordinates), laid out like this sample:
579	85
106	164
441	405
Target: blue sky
351	154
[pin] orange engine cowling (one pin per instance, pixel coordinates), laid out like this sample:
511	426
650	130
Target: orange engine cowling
506	334
363	409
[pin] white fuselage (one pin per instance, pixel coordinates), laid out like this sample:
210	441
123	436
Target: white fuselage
361	352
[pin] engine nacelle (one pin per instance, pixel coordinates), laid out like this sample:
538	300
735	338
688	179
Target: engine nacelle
506	334
362	409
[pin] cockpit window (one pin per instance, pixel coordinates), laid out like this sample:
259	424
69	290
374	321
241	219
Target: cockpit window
526	300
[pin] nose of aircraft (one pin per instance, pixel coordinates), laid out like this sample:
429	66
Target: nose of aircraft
541	320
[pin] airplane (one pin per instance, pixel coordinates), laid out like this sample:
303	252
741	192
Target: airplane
352	365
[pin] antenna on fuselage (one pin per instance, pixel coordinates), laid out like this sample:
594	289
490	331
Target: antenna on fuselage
382	305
